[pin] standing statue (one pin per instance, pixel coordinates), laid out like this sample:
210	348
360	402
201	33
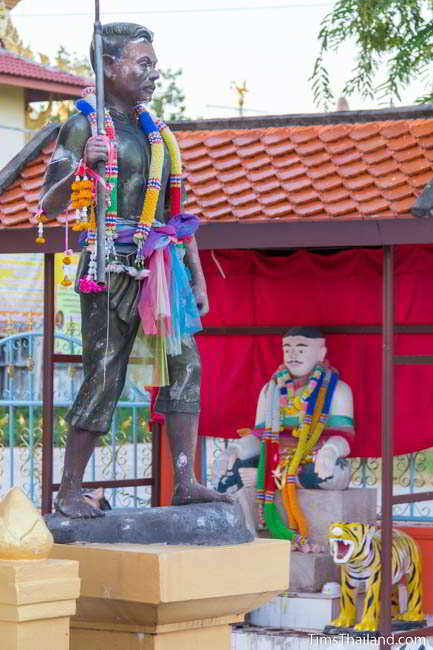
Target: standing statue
147	273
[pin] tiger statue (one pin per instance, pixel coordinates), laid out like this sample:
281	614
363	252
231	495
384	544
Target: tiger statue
357	547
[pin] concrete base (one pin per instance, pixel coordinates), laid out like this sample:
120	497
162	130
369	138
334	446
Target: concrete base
323	507
297	611
310	571
37	598
170	597
209	524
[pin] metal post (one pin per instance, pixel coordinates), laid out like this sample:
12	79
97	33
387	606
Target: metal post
387	434
100	191
47	385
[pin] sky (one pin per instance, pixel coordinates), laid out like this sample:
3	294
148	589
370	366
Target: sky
270	44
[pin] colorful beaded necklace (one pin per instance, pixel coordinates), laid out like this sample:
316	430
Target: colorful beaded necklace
84	189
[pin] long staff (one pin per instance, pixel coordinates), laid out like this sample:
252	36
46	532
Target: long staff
100	191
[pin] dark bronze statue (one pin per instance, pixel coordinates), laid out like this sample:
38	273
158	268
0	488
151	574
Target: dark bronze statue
130	75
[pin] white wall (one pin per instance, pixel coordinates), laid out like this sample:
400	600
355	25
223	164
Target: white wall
11	115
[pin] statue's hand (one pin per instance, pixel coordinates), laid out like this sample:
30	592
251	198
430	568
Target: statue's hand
96	150
201	299
325	461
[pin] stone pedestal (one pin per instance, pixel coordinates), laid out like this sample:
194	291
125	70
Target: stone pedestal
322	507
310	571
159	597
37	599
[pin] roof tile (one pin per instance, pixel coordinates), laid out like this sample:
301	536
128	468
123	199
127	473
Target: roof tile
211	200
397	193
374	206
197	165
237	188
222	152
321	170
295	171
216	213
309	148
201	177
242	199
301	134
286	161
272	197
296	184
353	169
394	129
281	147
365	131
341	207
194	153
316	159
278	210
328	182
229	163
337	194
11	195
421	128
230	175
407	154
339	146
247	210
366	194
217	140
347	157
308	209
267	185
405	141
364	180
246	138
374	157
414	167
420	180
33	170
334	132
257	162
371	144
391	180
208	188
383	168
251	151
427	142
403	206
303	196
260	174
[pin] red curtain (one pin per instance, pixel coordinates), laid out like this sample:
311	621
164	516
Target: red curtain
304	288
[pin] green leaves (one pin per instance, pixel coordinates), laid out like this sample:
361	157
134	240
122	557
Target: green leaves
168	102
396	33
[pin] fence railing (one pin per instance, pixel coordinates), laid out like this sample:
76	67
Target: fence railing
124	455
412	473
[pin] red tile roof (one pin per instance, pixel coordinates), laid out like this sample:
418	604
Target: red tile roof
16	66
365	171
342	172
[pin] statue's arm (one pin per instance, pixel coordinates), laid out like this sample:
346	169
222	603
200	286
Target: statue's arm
60	174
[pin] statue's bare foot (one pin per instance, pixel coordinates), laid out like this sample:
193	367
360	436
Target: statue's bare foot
74	505
198	493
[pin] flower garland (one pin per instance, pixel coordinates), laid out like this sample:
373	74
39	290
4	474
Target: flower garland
83	198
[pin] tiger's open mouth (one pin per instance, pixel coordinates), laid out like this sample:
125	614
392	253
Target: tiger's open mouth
341	549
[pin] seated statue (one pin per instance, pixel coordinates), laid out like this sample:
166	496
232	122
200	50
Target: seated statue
303	430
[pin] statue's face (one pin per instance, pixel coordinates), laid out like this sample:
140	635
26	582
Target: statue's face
301	354
133	75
